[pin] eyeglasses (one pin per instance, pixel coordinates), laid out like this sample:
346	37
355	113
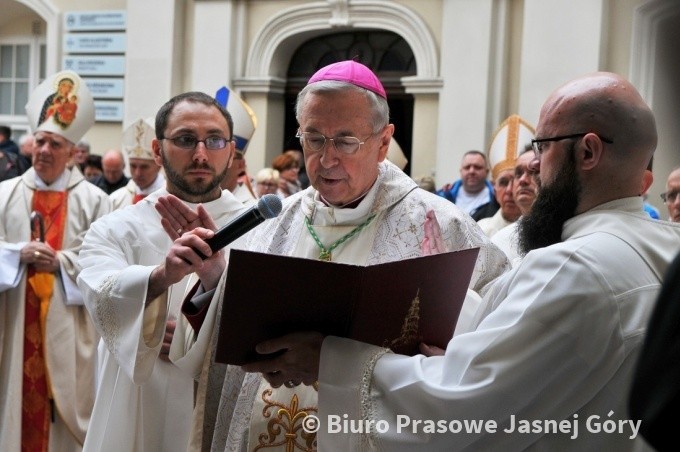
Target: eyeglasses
314	142
669	197
189	142
538	143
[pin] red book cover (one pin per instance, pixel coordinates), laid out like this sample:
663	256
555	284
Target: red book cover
396	304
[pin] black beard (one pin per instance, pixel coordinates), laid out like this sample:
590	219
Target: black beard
554	205
178	181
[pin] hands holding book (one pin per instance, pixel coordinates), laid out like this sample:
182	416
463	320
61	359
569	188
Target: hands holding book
296	361
297	355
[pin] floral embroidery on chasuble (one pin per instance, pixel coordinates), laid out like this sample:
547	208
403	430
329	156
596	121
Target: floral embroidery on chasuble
36	393
283	411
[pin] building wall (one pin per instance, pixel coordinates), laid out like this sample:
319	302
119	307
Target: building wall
478	61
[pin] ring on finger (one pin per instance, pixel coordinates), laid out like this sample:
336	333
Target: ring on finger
290	384
36	254
179	231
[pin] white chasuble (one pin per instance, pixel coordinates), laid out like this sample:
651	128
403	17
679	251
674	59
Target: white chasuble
244	410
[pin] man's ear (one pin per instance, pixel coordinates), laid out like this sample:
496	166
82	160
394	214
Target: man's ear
647	179
157	154
591	151
385	138
232	153
72	151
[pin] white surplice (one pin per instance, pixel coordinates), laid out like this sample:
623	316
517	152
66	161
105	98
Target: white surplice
243	194
71	340
557	340
143	403
493	224
507	239
124	196
249	412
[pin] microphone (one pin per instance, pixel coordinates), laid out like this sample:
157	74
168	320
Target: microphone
267	207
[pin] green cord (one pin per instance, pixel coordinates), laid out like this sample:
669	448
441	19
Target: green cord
325	254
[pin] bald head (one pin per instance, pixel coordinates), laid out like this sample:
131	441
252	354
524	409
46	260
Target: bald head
605	107
113	164
610	106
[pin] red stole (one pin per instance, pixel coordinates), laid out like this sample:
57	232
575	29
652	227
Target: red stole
36	393
137	197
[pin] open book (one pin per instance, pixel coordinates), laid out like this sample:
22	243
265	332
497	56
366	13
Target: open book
396	304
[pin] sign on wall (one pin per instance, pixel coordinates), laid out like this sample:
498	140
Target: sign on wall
94	42
94	47
95	20
105	88
108	111
95	65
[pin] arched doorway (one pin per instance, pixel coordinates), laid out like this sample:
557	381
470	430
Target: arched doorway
386	53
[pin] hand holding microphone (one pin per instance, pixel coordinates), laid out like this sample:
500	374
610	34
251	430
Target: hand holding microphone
269	206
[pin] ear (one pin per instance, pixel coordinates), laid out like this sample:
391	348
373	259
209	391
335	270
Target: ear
157	154
385	138
647	179
71	151
232	153
590	152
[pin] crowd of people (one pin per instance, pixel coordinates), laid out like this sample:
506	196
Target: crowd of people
111	294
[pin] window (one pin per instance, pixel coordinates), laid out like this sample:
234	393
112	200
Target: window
22	67
14	74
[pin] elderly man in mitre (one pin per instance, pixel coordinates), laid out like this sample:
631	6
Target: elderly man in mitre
146	175
509	141
47	340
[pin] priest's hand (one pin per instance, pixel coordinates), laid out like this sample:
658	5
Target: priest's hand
183	259
433	242
167	340
431	350
177	217
41	255
296	362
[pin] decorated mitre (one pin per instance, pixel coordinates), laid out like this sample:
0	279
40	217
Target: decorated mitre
396	155
244	118
508	142
61	104
137	139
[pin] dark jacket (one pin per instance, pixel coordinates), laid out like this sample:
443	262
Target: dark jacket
486	210
655	394
12	165
101	182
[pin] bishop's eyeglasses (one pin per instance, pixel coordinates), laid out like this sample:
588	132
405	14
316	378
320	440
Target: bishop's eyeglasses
538	144
315	142
189	142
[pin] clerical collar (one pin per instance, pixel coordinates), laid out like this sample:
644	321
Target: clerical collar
353	204
59	183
